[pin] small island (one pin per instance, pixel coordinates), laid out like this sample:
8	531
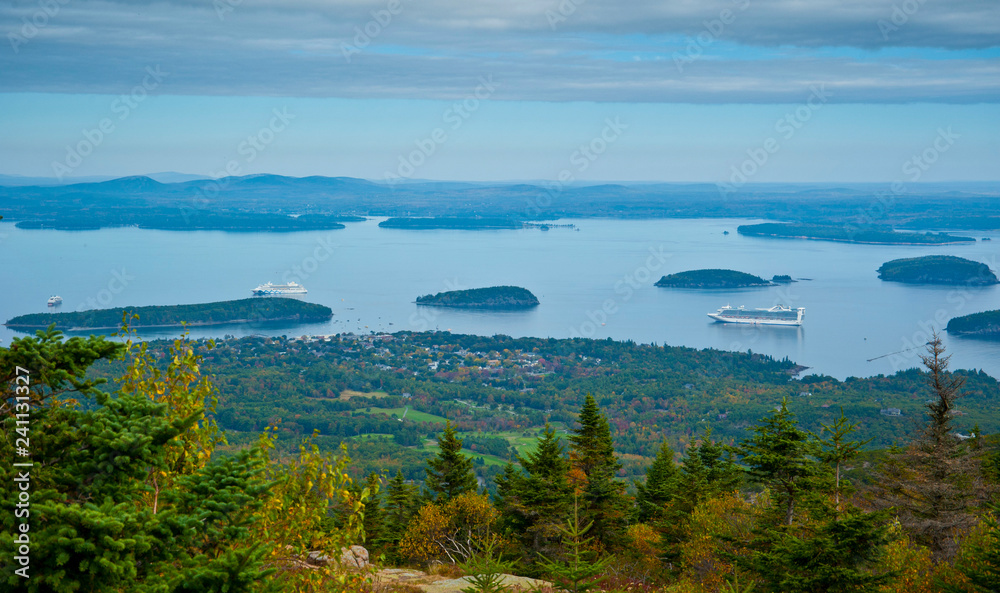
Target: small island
254	310
938	269
711	279
495	297
782	279
848	234
451	222
985	324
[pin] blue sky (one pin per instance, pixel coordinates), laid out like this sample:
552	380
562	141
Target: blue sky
502	90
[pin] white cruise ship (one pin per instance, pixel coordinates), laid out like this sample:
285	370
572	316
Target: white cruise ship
290	288
776	315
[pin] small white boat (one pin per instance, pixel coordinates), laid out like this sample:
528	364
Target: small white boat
55	300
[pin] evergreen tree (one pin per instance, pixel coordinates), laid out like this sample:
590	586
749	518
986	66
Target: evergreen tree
593	456
782	457
818	545
933	483
449	473
533	503
982	568
96	522
833	552
401	504
374	514
581	571
838	449
660	488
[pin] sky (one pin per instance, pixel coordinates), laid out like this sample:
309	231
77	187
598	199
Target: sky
601	90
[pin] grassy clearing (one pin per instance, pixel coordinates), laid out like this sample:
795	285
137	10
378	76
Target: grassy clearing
349	393
411	414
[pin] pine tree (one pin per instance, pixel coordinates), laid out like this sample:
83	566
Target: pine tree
580	571
533	503
449	473
374	515
819	545
782	457
982	567
593	455
933	483
838	449
661	486
401	504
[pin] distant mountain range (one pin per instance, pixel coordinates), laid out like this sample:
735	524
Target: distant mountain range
176	201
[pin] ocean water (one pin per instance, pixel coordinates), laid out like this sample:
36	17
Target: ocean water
596	281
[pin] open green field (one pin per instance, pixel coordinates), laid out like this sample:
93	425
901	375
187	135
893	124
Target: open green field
411	415
349	393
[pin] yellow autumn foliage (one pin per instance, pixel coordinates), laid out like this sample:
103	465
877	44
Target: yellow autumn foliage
452	531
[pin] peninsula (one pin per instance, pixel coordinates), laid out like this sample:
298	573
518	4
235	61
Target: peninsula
711	279
985	324
848	234
938	269
255	310
495	297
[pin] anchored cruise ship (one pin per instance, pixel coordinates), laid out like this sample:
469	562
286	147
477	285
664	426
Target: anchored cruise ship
290	288
776	315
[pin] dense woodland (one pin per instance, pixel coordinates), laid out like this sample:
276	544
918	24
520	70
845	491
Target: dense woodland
850	233
136	486
938	269
253	310
711	279
986	324
493	297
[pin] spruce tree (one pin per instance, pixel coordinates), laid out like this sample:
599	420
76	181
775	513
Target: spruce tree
374	519
782	457
661	486
593	455
399	508
534	502
933	484
581	570
449	473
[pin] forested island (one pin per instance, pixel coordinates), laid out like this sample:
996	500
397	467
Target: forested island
451	222
711	278
495	297
848	234
985	324
253	310
937	269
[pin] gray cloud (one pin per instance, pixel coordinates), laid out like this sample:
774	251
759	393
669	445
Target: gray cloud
436	49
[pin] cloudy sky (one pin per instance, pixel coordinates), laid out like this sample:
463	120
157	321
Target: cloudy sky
671	90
